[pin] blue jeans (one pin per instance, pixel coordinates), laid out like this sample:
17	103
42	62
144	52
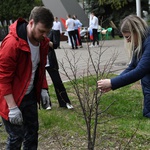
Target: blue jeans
26	134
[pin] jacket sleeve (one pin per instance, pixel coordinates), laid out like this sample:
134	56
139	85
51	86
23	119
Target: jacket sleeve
45	84
130	67
41	77
8	59
132	74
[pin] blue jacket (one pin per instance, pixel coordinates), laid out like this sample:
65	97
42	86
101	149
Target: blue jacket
137	69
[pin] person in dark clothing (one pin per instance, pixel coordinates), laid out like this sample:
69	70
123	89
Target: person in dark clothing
136	32
113	28
52	68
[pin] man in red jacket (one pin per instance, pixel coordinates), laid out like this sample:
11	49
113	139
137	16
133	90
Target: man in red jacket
22	77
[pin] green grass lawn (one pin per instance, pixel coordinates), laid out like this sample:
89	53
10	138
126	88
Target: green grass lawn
122	122
61	128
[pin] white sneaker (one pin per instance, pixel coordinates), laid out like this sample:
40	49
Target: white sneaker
91	45
49	108
69	106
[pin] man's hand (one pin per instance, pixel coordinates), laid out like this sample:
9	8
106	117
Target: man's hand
45	99
15	116
51	44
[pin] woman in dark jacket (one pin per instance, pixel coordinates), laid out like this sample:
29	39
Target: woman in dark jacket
53	70
136	32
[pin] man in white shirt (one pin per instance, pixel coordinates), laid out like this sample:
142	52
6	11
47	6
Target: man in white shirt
57	30
70	28
94	26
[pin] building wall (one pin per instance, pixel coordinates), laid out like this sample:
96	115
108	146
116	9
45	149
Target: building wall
72	7
61	8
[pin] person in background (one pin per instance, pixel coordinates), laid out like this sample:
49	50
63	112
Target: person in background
113	28
70	23
57	27
53	70
23	82
78	24
136	32
94	26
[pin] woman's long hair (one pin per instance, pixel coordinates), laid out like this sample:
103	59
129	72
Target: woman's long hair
136	26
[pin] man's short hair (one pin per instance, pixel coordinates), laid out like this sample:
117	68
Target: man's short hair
42	15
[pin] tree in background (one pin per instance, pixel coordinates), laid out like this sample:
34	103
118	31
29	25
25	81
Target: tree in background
107	10
13	9
10	10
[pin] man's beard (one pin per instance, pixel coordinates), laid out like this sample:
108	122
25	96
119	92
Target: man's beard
34	38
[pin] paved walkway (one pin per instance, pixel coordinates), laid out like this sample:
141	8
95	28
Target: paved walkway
80	57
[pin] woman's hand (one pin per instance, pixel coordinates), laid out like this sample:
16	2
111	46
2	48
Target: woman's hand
105	90
104	85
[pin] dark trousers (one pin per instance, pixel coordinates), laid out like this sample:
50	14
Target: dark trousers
57	37
95	36
146	93
78	36
113	33
72	37
59	87
28	132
